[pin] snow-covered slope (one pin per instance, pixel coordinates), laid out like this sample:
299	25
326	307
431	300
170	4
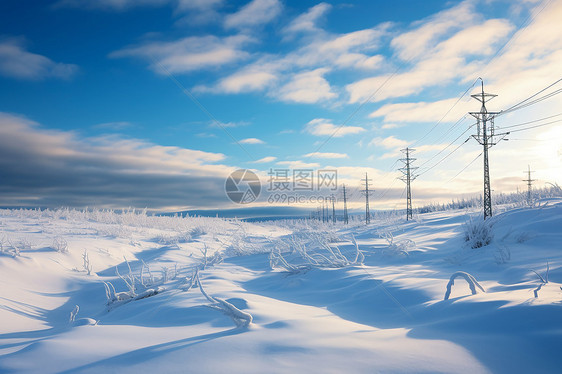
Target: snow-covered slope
207	295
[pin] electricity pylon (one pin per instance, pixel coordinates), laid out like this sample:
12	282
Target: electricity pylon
529	185
333	209
407	178
345	217
367	192
485	136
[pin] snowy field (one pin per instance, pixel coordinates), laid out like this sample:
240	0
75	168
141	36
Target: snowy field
101	292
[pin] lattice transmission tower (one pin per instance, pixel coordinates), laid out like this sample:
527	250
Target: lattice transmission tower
407	177
529	185
485	136
367	192
345	216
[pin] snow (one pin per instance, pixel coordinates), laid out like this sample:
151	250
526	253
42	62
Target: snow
203	297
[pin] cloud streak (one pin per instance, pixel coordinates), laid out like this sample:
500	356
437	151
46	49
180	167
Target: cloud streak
56	168
255	13
16	62
189	54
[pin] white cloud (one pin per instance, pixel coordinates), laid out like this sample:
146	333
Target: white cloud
228	124
352	50
298	164
206	135
299	75
418	41
422	111
306	22
390	142
257	12
326	155
265	160
114	125
17	62
532	59
198	12
323	127
201	5
440	65
251	141
359	61
250	79
308	87
388	126
190	53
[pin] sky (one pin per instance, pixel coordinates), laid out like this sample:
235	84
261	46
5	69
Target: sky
154	103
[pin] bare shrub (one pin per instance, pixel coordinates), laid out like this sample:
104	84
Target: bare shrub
542	280
478	233
86	264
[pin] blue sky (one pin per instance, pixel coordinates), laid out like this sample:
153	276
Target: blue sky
155	102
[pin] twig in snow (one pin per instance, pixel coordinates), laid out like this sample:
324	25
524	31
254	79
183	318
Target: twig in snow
472	283
242	319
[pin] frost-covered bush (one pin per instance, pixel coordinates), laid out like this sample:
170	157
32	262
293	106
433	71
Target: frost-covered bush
7	247
60	245
397	247
502	255
478	233
300	252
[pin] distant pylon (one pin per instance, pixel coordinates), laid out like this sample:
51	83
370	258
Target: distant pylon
345	217
333	209
367	192
529	185
407	178
485	136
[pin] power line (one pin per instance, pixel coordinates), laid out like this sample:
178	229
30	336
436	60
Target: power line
383	194
516	34
532	127
443	159
463	169
515	107
363	104
536	101
527	140
513	37
450	144
445	115
453	127
526	123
